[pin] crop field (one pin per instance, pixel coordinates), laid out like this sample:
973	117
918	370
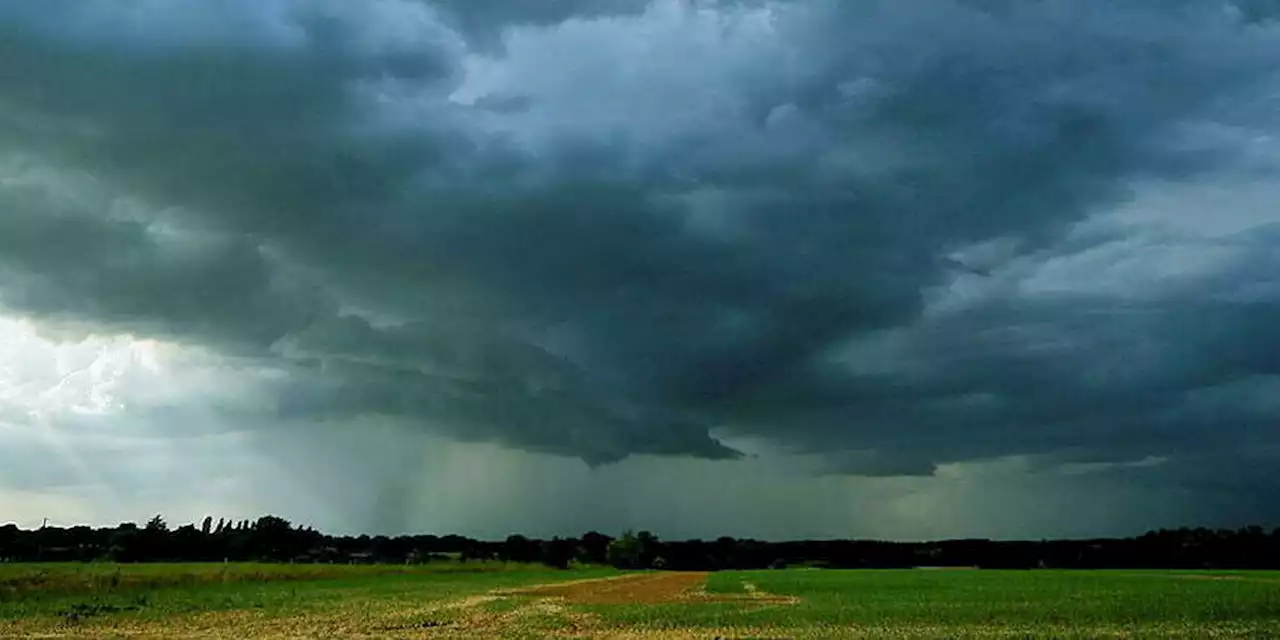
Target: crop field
518	601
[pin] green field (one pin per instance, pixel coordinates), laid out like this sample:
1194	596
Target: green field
496	600
1083	604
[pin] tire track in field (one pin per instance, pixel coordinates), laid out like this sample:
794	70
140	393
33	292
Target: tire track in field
646	588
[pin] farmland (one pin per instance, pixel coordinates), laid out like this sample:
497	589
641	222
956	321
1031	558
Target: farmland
525	601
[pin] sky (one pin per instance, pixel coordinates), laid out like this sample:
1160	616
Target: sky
770	268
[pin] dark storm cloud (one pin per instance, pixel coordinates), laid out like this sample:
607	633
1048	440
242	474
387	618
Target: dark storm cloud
82	272
633	223
485	20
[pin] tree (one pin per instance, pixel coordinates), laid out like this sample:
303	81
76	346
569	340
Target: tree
157	524
624	553
273	538
557	553
649	547
518	548
207	525
272	525
595	548
152	541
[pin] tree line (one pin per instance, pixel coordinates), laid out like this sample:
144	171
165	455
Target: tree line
274	539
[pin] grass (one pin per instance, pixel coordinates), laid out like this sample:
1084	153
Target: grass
46	598
43	581
452	600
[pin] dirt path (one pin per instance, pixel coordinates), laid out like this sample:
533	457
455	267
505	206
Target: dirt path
648	588
547	610
539	605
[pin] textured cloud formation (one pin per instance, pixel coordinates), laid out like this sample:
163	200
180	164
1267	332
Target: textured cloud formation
884	237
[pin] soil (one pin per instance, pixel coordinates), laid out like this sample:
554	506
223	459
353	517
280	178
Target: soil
649	588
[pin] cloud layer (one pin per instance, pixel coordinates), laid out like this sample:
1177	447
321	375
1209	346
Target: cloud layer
890	236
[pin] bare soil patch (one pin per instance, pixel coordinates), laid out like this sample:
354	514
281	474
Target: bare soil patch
648	588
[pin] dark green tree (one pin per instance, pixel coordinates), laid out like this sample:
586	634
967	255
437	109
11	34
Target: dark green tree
649	548
518	548
272	538
624	552
594	548
557	553
157	524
